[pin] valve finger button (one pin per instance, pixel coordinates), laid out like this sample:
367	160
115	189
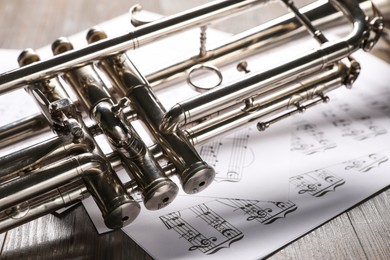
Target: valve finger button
161	193
122	213
197	177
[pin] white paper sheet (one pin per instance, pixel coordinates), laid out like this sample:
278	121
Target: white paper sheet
333	180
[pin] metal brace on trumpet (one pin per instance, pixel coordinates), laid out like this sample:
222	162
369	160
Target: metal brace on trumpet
78	105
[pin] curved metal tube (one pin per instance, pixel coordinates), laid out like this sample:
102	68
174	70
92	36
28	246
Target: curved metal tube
227	95
117	207
141	35
40	154
38	206
275	105
20	129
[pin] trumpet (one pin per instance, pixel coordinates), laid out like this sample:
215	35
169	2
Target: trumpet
67	168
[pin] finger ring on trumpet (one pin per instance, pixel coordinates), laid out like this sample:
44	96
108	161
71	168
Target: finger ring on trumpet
203	67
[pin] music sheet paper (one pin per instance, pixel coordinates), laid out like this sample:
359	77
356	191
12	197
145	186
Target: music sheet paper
338	160
337	155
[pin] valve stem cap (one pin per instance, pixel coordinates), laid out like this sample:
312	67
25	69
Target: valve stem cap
122	213
160	194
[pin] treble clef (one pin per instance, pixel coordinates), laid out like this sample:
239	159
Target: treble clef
355	164
204	243
262	213
309	188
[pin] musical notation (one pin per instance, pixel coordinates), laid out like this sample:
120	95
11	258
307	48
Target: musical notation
380	105
366	163
308	139
236	156
379	101
354	124
313	198
316	183
210	151
319	182
265	212
208	231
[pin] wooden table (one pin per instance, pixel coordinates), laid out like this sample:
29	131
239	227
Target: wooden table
363	232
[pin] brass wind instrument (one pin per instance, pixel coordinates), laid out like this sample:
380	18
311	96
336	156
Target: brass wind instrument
67	168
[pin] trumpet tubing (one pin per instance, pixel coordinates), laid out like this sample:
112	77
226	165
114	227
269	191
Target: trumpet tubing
71	166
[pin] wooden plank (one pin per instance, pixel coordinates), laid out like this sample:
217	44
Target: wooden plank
333	240
371	222
26	24
2	241
70	236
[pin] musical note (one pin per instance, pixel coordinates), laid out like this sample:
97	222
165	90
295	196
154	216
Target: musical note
173	220
316	183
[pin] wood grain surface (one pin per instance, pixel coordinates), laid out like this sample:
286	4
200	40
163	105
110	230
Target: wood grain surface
363	232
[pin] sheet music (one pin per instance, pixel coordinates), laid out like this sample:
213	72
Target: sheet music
356	118
256	228
339	156
357	157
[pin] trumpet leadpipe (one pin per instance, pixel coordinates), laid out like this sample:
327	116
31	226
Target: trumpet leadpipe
280	30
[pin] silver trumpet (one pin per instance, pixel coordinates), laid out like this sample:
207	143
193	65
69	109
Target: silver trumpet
71	166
